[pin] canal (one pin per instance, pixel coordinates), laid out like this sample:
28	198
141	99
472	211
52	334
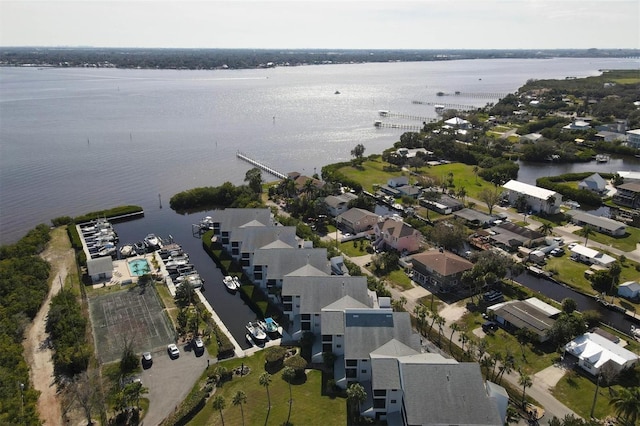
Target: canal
558	292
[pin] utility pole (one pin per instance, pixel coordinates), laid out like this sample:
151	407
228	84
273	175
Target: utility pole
22	403
595	395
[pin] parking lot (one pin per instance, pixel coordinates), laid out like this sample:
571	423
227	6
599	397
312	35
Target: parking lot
170	380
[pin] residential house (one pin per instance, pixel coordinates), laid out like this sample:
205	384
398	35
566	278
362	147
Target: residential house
532	314
509	236
301	181
409	190
458	122
598	223
594	183
395	234
595	351
271	265
591	256
444	205
628	194
357	220
100	268
579	125
398	181
629	290
531	138
338	204
633	138
412	388
538	199
304	297
440	269
473	218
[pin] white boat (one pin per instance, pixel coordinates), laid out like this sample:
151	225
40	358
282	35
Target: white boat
635	332
192	279
256	331
127	250
231	283
175	264
152	241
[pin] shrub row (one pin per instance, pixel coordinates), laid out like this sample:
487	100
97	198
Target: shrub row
582	196
194	402
109	213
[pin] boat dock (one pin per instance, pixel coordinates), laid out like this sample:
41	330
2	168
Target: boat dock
383	113
261	166
458	107
380	124
476	95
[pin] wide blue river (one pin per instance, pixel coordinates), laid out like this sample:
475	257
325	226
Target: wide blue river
78	140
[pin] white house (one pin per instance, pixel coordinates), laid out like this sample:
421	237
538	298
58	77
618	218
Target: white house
599	223
594	183
633	138
591	256
629	290
594	351
538	199
100	268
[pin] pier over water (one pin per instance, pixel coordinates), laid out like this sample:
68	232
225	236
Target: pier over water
261	166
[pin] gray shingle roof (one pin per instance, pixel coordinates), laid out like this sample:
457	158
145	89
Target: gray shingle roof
282	261
447	394
385	373
367	331
599	221
355	214
317	292
332	322
253	238
233	218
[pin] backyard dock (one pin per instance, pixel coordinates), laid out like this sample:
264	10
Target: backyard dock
261	165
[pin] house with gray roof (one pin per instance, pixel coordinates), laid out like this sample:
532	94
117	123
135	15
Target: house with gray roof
594	183
338	204
598	223
413	388
244	241
271	265
100	268
628	194
509	236
357	220
629	290
473	218
533	316
224	221
304	297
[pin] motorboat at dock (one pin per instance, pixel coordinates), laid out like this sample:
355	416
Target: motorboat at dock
127	250
152	241
256	332
232	283
269	325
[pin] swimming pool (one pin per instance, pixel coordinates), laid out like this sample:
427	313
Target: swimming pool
139	267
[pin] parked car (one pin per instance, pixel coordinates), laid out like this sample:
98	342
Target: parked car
173	350
489	326
557	252
146	360
493	296
198	345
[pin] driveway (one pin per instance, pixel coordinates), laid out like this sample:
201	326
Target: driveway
169	381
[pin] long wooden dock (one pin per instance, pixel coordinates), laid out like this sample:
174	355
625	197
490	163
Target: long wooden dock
261	166
379	123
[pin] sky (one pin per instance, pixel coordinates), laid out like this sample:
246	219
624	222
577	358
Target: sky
323	24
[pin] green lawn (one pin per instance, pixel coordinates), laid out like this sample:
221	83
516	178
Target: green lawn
570	272
372	173
399	279
626	243
309	405
355	248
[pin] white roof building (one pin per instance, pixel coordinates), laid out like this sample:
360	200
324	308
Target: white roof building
594	351
629	175
592	256
537	198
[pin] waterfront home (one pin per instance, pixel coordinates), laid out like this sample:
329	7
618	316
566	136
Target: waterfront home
538	199
244	241
458	122
598	223
633	138
398	181
224	221
594	183
357	220
531	138
304	297
395	234
338	204
577	125
100	268
509	236
473	218
271	265
595	351
628	194
444	205
532	314
300	181
590	256
629	290
440	269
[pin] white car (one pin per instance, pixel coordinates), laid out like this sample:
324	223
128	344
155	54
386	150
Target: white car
572	245
198	343
173	350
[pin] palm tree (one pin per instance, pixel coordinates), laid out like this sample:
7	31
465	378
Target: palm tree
454	327
288	374
546	228
441	322
475	170
219	404
265	380
434	318
586	232
356	394
526	382
627	405
507	366
238	399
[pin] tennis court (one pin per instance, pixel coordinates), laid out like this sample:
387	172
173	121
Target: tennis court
131	315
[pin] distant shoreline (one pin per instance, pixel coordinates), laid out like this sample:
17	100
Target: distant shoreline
221	59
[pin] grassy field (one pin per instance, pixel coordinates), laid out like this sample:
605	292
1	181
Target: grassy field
309	405
627	243
372	172
355	248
